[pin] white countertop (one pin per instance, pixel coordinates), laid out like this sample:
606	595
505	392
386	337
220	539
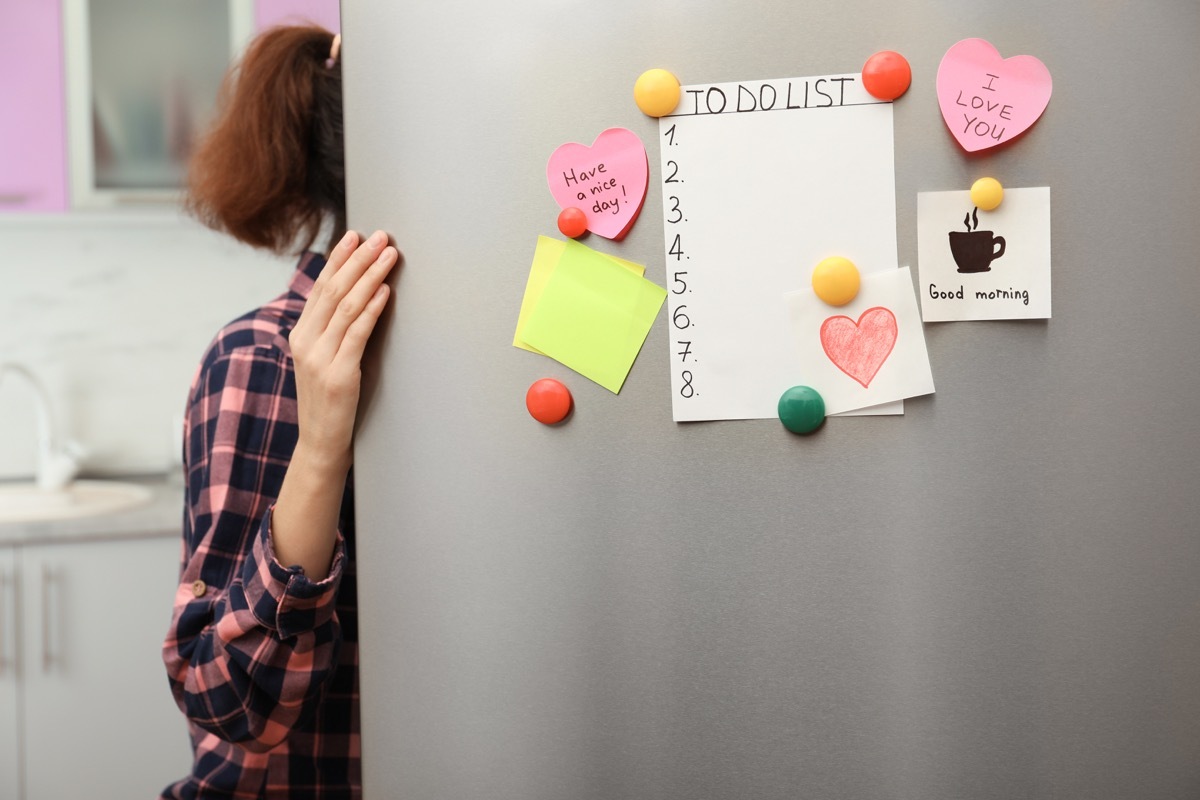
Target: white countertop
161	517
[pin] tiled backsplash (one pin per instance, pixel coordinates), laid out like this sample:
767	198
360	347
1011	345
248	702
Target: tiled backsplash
113	311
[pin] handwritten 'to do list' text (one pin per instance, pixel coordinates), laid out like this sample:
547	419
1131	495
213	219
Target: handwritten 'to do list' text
787	95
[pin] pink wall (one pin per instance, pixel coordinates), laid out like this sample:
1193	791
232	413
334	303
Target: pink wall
275	12
33	131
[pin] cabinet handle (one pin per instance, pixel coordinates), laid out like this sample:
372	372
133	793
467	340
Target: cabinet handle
9	199
5	660
48	657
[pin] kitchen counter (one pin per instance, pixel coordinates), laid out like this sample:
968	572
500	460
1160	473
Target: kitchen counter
161	517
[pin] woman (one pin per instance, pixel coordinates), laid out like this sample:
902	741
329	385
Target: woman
262	653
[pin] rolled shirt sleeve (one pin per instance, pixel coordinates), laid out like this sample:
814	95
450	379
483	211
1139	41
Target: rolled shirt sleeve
252	642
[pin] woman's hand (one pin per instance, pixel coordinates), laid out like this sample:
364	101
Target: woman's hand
327	348
329	340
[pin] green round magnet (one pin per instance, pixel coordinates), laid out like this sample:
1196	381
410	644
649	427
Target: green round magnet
801	409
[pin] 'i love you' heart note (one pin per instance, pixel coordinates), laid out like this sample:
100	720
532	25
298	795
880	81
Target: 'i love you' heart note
987	100
606	181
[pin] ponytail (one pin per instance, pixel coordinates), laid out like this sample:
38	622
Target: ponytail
271	170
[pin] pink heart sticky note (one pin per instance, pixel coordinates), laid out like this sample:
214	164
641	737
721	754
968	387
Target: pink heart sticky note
987	100
860	348
606	181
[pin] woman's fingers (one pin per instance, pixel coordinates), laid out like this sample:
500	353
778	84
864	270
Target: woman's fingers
354	342
350	292
308	324
352	304
346	265
341	251
337	257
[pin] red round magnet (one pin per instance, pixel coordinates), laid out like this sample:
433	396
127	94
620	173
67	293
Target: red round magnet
572	222
548	401
886	75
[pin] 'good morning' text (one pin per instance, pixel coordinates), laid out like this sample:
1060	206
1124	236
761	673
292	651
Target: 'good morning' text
992	294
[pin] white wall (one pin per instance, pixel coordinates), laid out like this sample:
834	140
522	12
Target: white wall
113	312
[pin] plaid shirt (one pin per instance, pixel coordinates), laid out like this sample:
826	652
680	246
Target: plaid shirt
263	661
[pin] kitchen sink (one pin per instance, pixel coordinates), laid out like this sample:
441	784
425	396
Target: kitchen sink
25	502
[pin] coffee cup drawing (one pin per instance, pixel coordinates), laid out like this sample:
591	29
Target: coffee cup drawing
975	250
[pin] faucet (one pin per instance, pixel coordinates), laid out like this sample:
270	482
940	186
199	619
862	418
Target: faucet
57	463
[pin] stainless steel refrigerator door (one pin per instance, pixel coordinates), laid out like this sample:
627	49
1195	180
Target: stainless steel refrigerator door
994	596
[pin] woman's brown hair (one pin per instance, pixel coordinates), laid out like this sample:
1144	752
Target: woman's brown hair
271	169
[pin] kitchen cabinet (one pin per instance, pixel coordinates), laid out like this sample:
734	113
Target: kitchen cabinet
90	703
79	144
326	13
9	740
33	156
142	80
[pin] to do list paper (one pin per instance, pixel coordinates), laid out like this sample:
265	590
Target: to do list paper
762	180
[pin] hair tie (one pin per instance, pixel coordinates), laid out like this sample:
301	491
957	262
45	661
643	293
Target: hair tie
334	49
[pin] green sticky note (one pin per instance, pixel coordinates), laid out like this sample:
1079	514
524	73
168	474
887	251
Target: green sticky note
545	258
593	315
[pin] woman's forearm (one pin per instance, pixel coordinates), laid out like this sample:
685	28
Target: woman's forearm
304	523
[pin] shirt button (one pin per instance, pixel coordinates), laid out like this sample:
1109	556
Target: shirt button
199	588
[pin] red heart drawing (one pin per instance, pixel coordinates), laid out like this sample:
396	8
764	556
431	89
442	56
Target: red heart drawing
860	348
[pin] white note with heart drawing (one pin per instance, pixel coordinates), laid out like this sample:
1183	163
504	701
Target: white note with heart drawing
867	352
761	181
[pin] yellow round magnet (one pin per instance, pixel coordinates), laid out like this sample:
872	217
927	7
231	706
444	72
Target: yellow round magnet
835	280
986	193
656	92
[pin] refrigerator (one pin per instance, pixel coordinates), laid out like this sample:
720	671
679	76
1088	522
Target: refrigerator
995	594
